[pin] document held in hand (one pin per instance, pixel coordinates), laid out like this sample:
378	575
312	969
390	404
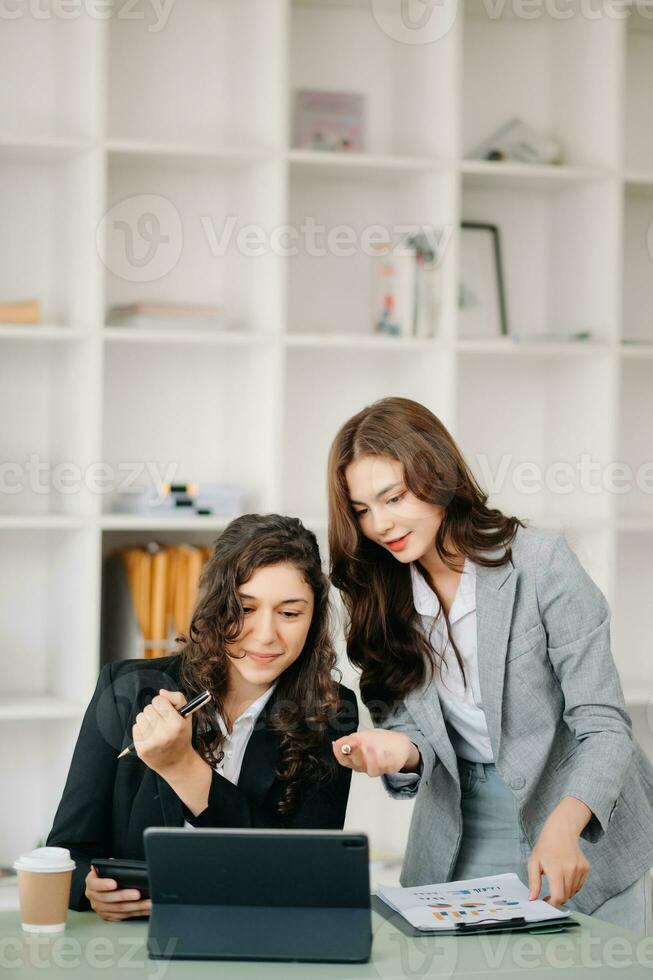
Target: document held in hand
475	902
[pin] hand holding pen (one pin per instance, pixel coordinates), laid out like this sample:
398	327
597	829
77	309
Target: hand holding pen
159	730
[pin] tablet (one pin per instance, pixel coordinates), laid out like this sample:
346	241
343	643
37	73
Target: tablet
258	894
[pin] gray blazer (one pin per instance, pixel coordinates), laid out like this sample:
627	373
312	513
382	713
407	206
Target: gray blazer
556	717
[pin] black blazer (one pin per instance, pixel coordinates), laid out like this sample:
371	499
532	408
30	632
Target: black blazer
107	804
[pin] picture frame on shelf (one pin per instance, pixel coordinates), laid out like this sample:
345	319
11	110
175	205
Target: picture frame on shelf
331	122
482	309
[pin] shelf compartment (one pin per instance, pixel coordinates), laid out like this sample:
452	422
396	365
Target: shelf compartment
35	772
638	149
228	52
524	433
635	413
214	240
551	72
558	255
406	87
47	242
633	622
43	577
638	263
312	408
50	67
204	415
47	442
331	293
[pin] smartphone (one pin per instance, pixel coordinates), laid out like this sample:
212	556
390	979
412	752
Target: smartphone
126	873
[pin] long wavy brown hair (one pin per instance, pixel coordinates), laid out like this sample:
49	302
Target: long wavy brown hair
384	636
306	696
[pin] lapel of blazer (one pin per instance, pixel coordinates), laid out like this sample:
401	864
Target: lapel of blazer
257	772
424	707
495	597
261	759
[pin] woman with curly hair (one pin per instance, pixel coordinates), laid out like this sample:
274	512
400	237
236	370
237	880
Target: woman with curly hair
257	755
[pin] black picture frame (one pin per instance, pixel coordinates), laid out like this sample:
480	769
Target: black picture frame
498	315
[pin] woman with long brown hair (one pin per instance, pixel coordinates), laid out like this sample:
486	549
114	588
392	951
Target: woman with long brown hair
484	652
259	754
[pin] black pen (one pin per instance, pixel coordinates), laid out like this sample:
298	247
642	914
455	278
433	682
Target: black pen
187	709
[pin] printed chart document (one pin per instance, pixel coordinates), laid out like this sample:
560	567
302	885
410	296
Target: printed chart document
478	901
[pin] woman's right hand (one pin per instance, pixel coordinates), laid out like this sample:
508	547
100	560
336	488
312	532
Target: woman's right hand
378	752
111	903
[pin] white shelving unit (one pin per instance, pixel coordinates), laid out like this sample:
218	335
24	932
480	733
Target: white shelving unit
190	123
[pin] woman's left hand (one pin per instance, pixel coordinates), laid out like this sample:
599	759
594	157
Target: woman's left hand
162	738
557	855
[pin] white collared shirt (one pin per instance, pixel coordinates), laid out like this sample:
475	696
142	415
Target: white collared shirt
234	743
462	708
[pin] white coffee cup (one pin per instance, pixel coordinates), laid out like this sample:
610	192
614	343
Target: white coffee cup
44	879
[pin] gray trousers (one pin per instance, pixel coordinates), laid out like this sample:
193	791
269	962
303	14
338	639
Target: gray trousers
492	844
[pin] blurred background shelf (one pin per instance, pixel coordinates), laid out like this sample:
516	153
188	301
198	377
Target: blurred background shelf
35	709
347	341
42	332
132	522
488	174
37	522
177	157
367	166
104	121
234	338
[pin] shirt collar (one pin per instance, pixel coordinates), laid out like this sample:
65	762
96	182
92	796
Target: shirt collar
250	714
256	707
427	603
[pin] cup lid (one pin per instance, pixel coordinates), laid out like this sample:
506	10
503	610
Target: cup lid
45	859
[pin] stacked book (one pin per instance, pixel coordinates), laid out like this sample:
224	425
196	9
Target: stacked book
26	312
174	316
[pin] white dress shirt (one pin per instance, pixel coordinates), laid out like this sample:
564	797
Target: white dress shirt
462	708
234	743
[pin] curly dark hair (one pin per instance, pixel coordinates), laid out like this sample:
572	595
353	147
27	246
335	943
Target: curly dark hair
306	696
384	638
